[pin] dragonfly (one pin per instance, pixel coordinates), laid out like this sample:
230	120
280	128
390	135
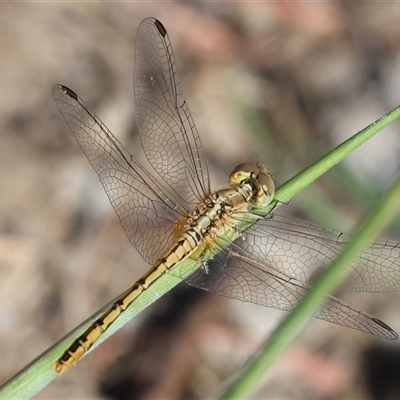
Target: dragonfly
170	214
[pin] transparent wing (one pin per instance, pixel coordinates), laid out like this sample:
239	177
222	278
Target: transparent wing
167	131
301	249
235	274
142	204
272	263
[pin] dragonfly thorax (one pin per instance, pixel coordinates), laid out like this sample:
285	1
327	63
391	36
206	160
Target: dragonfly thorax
209	212
258	178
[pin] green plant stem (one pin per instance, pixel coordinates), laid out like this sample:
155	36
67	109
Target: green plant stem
329	160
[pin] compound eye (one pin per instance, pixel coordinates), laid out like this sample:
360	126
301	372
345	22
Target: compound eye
242	173
266	182
265	188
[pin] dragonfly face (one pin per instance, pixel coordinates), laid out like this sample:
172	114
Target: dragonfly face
259	178
170	213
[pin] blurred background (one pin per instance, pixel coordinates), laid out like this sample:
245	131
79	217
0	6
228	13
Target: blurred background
281	83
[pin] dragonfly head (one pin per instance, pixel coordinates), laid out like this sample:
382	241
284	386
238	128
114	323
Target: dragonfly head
258	178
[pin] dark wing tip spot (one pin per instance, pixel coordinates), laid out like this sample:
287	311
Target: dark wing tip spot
69	92
160	28
393	334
